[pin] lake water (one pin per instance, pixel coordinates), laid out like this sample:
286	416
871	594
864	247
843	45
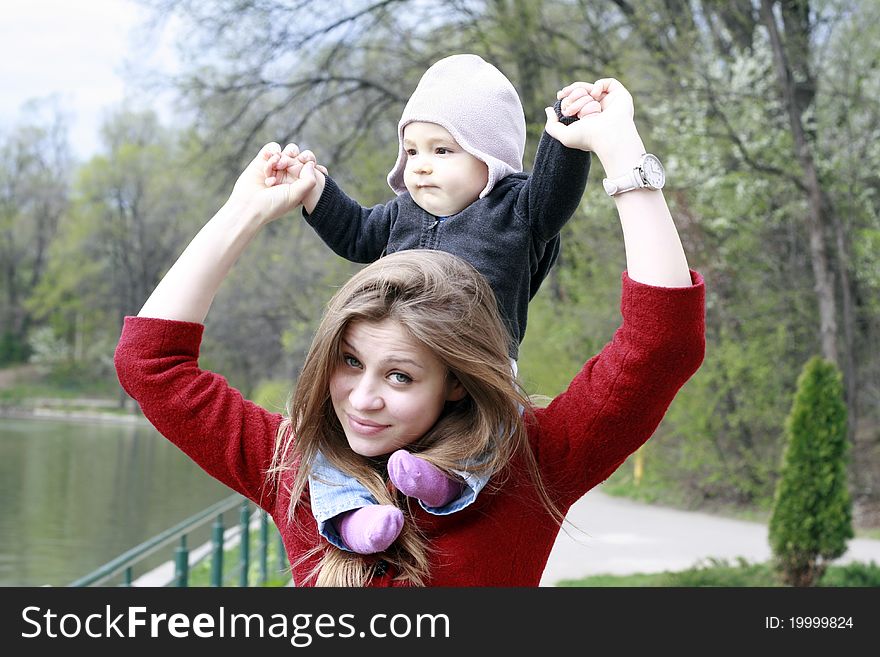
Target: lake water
75	495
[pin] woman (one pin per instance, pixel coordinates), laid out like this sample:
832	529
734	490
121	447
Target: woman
412	352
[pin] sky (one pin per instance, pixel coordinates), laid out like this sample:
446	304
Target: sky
77	49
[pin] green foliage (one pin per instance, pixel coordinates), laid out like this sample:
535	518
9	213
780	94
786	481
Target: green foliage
721	439
718	572
637	580
133	209
741	573
555	346
34	179
70	365
854	574
262	321
812	515
13	348
576	310
271	395
66	389
717	430
654	486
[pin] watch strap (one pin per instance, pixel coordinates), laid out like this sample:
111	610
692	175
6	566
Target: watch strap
625	183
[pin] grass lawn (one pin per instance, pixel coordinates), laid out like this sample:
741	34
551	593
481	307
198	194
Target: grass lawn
719	572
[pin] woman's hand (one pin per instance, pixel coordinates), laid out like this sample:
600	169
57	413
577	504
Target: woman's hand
254	193
654	254
605	110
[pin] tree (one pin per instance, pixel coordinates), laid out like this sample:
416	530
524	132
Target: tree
132	211
771	93
34	166
792	42
812	516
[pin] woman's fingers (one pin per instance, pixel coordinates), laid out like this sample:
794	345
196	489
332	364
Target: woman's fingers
604	87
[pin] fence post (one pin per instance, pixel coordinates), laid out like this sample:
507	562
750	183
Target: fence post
282	554
244	544
124	564
181	564
217	551
264	548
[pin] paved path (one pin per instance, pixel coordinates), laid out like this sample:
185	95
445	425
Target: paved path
620	536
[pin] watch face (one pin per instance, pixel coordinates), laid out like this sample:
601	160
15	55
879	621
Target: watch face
653	172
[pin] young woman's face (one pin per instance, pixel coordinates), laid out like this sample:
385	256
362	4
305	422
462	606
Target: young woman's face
388	389
440	175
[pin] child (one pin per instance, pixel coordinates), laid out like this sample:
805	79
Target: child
460	188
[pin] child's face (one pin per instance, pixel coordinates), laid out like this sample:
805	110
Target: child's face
440	175
387	389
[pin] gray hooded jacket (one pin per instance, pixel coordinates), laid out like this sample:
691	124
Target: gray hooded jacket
510	235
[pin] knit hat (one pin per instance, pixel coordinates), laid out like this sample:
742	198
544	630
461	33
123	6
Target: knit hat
479	107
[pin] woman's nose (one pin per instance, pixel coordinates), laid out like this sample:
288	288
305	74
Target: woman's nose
364	396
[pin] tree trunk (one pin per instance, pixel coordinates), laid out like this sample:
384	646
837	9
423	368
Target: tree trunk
850	371
796	98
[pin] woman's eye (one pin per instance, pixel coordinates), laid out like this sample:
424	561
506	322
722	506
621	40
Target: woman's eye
351	361
400	377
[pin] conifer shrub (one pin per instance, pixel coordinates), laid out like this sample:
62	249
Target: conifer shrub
811	520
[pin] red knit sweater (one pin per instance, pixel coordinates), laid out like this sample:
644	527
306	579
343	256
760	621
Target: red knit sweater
612	406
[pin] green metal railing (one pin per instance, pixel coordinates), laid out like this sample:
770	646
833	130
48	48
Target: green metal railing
122	567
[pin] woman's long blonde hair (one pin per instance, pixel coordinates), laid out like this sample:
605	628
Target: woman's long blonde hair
443	303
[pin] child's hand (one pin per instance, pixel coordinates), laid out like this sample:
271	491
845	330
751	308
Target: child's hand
577	101
270	202
284	167
605	110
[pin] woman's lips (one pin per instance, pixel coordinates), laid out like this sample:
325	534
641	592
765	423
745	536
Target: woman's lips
363	426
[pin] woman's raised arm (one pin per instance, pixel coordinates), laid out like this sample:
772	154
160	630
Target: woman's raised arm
654	254
185	293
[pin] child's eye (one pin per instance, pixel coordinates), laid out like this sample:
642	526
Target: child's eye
350	360
400	377
411	152
442	150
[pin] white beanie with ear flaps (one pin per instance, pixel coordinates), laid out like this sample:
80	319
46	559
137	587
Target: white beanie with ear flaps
479	107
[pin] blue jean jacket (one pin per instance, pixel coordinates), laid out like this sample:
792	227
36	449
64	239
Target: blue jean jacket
333	492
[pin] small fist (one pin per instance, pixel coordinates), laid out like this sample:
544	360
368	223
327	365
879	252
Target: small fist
576	101
564	120
285	165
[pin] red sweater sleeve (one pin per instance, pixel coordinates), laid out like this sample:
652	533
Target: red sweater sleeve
231	438
618	398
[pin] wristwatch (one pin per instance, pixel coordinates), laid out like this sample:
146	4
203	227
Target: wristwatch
647	174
